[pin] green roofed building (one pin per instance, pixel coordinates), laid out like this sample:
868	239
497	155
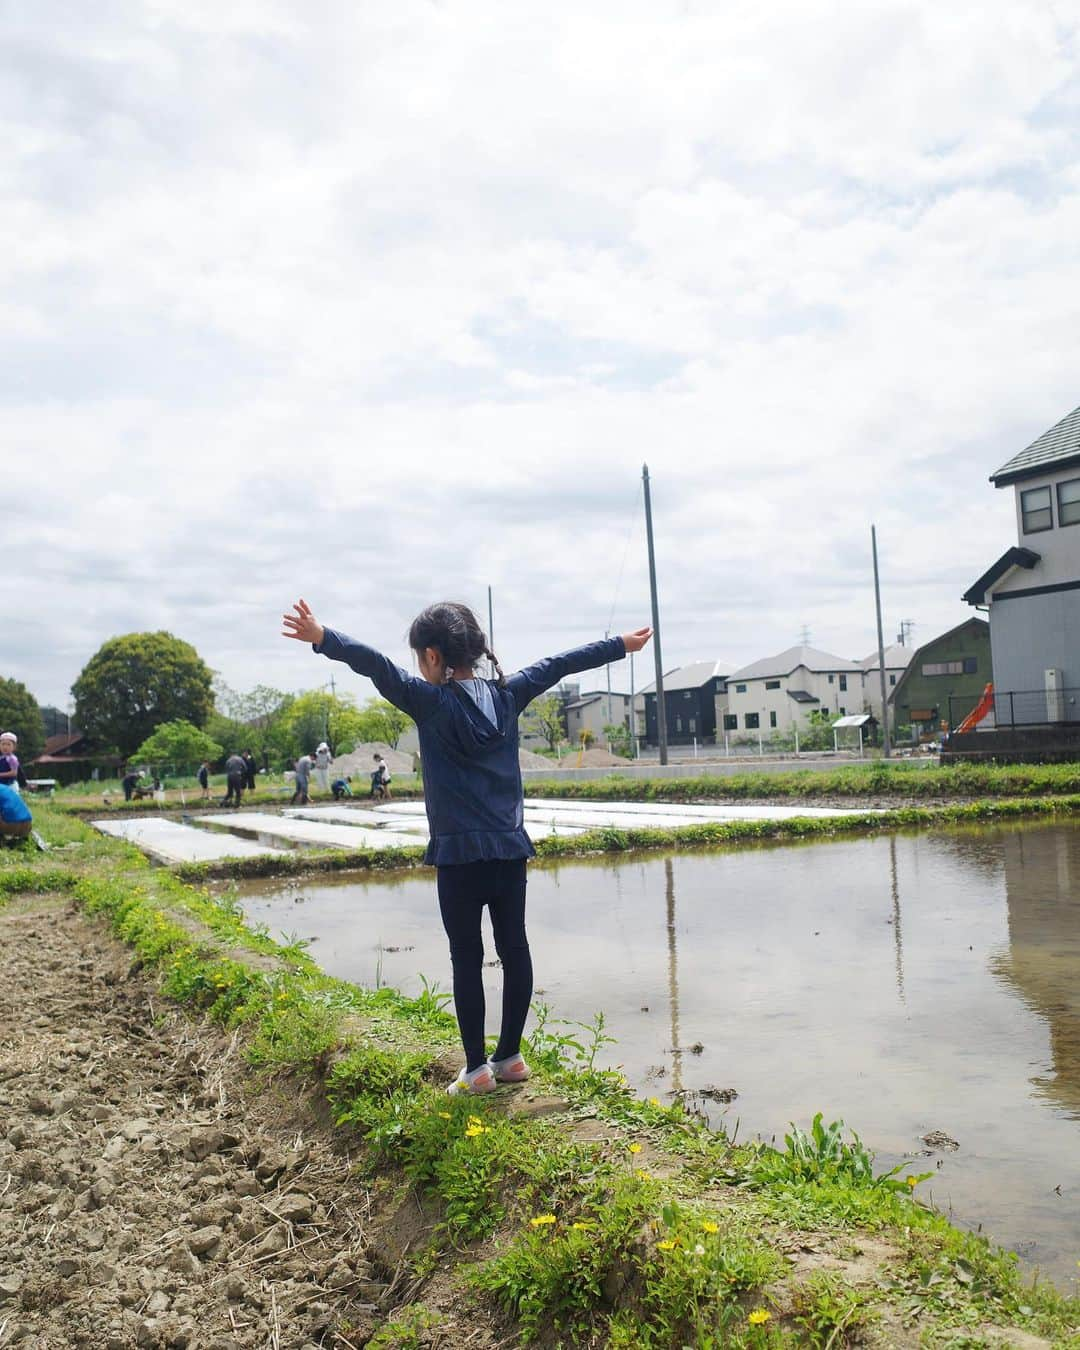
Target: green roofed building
943	681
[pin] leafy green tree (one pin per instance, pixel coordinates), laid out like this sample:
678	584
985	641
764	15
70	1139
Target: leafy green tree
544	716
178	743
20	713
383	722
317	716
134	683
253	720
618	735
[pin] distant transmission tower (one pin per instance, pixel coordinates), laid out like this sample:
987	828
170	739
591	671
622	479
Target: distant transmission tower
904	635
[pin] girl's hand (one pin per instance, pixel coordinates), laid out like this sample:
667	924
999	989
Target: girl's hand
303	625
633	642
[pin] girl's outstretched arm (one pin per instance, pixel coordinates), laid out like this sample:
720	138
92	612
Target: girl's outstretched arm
534	680
407	692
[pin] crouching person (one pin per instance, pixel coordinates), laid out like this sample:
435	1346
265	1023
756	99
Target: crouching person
16	821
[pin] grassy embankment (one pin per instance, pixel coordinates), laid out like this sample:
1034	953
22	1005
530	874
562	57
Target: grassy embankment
609	1221
918	782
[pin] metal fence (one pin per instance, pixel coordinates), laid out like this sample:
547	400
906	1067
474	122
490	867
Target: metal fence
1020	708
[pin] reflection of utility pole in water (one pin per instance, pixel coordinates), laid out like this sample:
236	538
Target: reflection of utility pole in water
897	939
673	977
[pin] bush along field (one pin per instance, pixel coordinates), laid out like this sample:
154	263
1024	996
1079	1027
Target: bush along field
919	782
567	1211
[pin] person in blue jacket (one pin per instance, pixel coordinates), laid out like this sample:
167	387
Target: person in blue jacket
468	729
16	821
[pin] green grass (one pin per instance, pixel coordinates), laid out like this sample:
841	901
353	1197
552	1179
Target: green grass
857	780
564	1235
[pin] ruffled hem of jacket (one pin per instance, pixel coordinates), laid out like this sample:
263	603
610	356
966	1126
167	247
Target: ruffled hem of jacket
448	850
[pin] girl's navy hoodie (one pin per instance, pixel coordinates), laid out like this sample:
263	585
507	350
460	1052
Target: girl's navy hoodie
472	777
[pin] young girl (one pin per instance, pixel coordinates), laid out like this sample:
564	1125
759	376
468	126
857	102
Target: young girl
9	761
468	730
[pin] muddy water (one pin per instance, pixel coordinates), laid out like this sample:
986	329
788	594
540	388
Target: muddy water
906	984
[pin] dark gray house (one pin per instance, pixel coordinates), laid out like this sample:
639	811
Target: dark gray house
691	696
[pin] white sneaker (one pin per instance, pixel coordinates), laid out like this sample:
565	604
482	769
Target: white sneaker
474	1084
512	1069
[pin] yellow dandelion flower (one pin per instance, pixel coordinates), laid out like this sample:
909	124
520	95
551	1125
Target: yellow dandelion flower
666	1246
709	1227
654	1101
474	1131
444	1115
634	1148
542	1220
759	1317
641	1174
583	1225
912	1182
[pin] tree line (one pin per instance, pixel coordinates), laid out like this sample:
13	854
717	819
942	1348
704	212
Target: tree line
151	696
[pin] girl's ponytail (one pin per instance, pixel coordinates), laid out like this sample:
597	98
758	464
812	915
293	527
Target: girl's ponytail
501	681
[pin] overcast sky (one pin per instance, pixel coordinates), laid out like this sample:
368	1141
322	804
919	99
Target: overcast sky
385	303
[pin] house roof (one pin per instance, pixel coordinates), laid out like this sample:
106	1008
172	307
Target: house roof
852	720
896	657
802	696
1053	449
787	661
64	743
1013	557
692	676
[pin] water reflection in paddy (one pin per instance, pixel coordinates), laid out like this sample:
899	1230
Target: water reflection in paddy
906	984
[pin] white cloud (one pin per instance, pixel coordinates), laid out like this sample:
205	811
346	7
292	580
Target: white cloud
376	303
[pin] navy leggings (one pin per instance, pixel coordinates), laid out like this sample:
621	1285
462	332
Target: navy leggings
464	890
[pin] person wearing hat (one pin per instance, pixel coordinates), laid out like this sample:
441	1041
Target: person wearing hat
9	761
323	760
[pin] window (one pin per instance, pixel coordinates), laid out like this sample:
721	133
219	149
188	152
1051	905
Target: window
843	684
740	688
892	679
1036	512
772	684
678	724
731	722
967	665
692	725
688	694
1068	495
830	679
843	712
752	722
772	719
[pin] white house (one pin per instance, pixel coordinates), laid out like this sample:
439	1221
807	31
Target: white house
593	712
1032	592
780	692
897	659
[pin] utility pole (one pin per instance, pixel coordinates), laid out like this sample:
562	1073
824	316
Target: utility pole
880	649
661	711
491	631
608	669
633	713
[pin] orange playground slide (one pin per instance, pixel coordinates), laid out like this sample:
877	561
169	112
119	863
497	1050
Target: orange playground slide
976	715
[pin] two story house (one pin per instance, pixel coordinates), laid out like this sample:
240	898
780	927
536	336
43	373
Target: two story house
1032	592
694	696
781	691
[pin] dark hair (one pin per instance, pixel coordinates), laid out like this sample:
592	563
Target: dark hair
452	630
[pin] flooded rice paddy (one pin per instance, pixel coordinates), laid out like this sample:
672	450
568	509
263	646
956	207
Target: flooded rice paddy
908	984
